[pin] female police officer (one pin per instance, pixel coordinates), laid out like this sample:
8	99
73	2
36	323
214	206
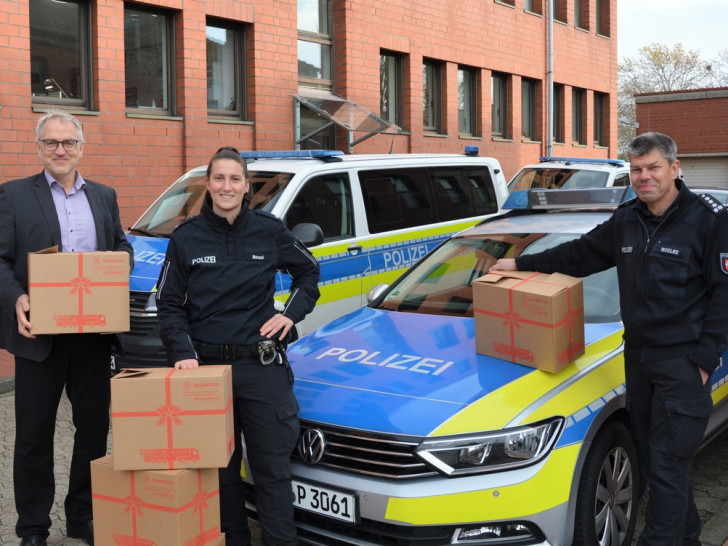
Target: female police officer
215	304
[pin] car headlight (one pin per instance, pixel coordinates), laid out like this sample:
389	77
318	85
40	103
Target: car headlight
491	451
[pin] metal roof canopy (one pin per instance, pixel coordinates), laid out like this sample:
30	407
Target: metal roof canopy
344	113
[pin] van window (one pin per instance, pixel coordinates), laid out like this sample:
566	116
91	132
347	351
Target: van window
463	192
326	201
396	199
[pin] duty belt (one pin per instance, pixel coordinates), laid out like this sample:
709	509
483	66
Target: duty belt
266	350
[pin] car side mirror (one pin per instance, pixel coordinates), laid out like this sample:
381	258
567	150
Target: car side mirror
308	234
376	291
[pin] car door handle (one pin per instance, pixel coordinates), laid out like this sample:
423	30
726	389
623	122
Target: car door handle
354	248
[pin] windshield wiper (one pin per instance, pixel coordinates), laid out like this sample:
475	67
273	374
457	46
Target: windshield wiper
147	233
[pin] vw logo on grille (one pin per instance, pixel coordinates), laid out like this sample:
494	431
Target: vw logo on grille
311	445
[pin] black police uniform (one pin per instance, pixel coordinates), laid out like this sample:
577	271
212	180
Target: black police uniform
673	282
215	291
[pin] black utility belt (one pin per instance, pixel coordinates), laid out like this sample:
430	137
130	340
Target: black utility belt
266	351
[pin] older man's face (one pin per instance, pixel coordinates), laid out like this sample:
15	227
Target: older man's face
60	163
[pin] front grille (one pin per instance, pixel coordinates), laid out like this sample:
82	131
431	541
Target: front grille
368	453
141	322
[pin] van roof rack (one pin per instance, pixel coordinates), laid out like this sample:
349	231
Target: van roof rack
324	155
594	161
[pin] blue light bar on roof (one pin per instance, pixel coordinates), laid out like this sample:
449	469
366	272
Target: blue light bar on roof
540	199
292	154
613	162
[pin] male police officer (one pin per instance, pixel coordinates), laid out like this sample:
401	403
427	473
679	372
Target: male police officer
670	248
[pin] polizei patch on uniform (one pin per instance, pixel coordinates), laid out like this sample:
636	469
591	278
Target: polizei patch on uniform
724	262
204	260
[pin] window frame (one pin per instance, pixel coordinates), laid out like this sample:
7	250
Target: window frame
432	84
529	117
469	111
168	55
324	40
239	51
392	115
559	11
603	13
85	67
578	95
600	116
558	113
582	17
500	105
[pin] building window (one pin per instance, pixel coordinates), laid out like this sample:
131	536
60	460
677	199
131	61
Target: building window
533	6
225	71
559	10
529	129
603	17
558	113
600	116
581	14
511	3
578	100
314	43
390	87
149	60
467	101
499	104
432	96
59	52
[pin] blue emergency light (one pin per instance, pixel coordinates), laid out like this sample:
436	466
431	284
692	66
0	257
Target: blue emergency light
552	199
612	162
326	155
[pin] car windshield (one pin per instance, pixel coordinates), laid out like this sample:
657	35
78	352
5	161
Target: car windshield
553	178
184	198
441	284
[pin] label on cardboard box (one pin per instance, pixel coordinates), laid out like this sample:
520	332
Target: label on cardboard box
534	319
155	507
78	292
167	418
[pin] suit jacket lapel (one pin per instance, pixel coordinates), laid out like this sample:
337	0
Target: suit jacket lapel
48	208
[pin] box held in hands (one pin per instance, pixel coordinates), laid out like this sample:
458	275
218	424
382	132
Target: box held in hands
78	292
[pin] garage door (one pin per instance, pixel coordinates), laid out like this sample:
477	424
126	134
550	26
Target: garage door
707	172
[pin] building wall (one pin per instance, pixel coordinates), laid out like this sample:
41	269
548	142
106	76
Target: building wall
139	155
698	121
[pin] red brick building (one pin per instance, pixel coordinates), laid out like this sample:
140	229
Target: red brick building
698	121
160	84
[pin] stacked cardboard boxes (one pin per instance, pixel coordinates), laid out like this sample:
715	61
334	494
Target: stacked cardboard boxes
171	431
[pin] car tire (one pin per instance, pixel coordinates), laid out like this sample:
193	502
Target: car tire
606	505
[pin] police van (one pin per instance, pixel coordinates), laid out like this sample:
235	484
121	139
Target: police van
365	218
571	173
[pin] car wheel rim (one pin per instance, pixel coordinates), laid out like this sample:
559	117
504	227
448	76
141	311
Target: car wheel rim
614	498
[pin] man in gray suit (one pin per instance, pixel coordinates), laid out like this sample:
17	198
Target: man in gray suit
55	207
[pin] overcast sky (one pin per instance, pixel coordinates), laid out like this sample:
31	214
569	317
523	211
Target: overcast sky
700	25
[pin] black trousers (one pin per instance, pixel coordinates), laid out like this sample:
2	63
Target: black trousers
266	411
669	410
80	363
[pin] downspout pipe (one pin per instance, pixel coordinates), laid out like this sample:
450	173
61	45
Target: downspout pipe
550	80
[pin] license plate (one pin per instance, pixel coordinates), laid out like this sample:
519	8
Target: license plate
322	500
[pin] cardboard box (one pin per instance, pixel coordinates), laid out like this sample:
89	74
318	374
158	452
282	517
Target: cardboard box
166	418
78	292
529	318
155	507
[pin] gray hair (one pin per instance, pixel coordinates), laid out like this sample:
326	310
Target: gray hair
647	142
61	116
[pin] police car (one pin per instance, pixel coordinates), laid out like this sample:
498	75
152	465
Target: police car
411	437
365	218
571	173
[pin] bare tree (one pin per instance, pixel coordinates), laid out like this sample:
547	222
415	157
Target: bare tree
658	68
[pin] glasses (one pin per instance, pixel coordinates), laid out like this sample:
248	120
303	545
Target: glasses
68	145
